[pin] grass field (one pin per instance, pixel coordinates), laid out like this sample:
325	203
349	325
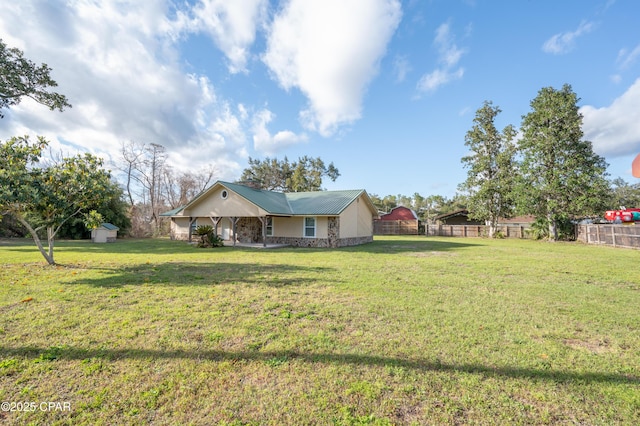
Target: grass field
401	331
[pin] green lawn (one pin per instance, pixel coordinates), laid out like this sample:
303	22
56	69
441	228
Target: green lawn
401	331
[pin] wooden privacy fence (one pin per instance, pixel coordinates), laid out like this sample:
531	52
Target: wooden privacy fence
508	231
395	227
609	234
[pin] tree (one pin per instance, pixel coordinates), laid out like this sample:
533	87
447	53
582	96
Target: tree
490	176
20	77
624	194
432	206
562	178
131	155
113	208
45	198
306	174
180	188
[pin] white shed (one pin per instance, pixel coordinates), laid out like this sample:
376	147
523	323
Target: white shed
105	233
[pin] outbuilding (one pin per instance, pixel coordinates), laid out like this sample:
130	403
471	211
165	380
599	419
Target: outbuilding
105	233
400	220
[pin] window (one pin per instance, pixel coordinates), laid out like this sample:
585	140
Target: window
269	226
310	227
194	225
224	194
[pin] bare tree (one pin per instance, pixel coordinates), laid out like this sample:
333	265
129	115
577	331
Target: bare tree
182	187
131	154
153	186
151	171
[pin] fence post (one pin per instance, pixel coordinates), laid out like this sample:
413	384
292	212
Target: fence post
613	233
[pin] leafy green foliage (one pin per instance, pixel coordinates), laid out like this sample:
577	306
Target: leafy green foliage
306	174
491	164
112	208
46	197
20	77
93	219
624	194
208	237
562	177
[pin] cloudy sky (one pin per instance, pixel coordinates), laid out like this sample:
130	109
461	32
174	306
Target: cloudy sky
384	89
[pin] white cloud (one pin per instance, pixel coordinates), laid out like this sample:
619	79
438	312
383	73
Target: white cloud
564	42
438	77
401	67
615	129
271	144
330	50
449	54
626	58
118	64
232	25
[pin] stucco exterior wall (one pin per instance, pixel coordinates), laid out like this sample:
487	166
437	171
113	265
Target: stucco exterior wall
356	220
104	235
293	227
212	204
179	228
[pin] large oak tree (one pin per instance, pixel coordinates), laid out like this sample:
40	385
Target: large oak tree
562	177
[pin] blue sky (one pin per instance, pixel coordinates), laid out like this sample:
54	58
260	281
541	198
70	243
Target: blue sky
384	89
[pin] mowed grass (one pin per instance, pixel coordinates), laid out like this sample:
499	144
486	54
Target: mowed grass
401	331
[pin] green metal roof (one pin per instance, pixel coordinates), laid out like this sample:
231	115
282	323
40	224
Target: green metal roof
109	226
319	203
172	212
271	201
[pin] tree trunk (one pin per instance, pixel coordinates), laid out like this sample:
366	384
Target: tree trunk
36	239
50	239
491	225
553	227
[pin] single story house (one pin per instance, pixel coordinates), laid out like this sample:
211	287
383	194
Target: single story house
105	233
400	220
247	214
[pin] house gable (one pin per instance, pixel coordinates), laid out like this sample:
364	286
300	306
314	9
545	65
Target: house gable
221	201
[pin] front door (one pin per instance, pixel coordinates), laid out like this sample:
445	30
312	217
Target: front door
225	225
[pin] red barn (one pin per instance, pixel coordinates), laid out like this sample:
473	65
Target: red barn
399	221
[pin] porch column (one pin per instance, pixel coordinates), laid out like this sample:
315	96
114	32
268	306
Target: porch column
191	220
215	221
234	222
263	220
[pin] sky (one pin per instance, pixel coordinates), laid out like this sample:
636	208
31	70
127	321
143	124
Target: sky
384	89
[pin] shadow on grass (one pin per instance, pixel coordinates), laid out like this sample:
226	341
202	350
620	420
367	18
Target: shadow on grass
204	273
70	353
151	246
133	246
